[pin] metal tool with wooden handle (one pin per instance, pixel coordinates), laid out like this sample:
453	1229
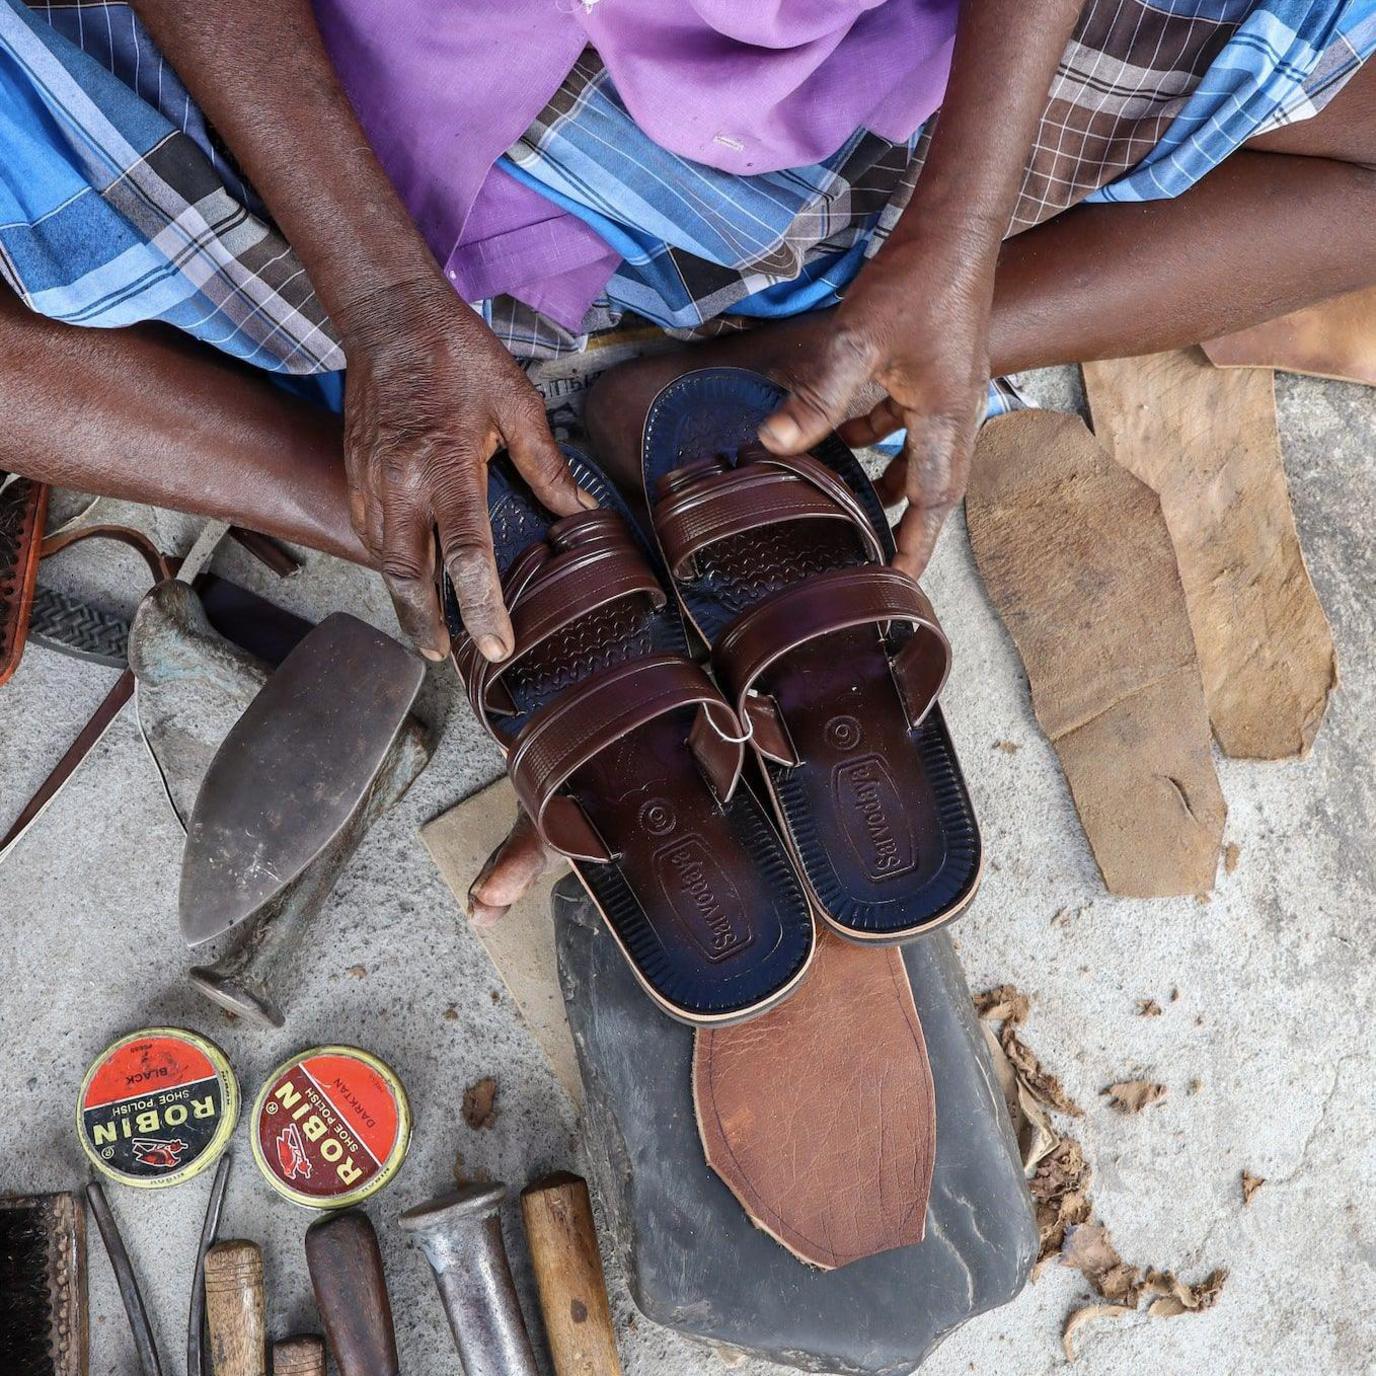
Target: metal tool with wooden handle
351	1293
568	1276
234	1309
303	1355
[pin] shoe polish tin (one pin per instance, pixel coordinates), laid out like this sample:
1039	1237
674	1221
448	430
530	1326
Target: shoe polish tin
157	1107
331	1127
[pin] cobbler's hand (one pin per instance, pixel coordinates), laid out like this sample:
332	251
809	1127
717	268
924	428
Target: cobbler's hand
915	322
430	396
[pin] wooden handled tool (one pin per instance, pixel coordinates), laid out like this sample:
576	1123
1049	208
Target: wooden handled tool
303	1355
234	1309
351	1293
568	1276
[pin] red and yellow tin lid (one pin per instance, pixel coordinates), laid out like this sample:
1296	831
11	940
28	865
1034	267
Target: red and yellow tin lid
331	1127
157	1107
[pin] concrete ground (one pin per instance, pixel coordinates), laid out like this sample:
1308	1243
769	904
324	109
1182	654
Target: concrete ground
1273	1021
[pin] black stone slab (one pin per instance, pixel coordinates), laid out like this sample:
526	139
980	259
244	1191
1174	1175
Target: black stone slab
696	1263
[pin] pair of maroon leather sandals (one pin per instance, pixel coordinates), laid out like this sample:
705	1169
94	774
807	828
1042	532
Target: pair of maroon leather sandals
728	724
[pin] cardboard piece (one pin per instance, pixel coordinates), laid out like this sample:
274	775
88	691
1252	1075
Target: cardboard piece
1076	557
521	945
1205	441
1336	338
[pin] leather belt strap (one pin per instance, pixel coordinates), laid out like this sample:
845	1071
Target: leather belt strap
588	719
158	563
827	602
706	502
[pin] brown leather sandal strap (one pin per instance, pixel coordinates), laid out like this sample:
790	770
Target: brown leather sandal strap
549	596
595	715
704	503
826	602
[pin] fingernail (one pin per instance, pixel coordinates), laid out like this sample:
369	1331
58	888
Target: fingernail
586	500
781	430
482	916
434	656
492	648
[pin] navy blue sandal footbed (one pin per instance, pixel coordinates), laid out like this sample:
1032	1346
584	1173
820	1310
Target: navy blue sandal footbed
872	801
698	891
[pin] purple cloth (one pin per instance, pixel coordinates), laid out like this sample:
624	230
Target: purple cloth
444	88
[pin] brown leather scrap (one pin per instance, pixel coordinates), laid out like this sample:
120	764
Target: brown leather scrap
1076	558
1205	442
1336	338
820	1116
23	507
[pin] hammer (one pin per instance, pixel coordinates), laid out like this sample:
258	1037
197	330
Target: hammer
461	1236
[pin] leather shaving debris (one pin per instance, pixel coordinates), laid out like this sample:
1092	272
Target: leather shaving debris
357	971
1059	1178
1088	1314
1008	747
1232	853
1250	1185
1003	1003
1148	1008
1041	1082
1087	1249
1060	1192
451	1014
1032	1124
480	1103
1132	1096
1175	1297
1029	1091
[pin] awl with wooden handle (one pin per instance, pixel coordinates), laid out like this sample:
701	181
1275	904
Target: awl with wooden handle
234	1309
345	1263
303	1355
568	1276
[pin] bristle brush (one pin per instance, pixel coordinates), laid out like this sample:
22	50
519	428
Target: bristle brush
43	1325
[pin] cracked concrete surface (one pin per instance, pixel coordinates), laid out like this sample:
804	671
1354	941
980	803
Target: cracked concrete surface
1267	1051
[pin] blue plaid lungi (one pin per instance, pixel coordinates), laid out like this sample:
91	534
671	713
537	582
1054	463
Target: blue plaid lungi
118	204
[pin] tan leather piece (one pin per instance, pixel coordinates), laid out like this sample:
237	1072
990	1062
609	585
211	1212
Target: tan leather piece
1075	555
1336	338
820	1116
1205	441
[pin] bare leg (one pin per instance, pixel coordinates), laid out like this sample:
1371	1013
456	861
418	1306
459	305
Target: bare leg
150	416
144	414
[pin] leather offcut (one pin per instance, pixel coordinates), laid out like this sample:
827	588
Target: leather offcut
820	1116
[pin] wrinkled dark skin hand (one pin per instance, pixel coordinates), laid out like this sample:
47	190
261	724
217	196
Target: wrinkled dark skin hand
916	323
430	396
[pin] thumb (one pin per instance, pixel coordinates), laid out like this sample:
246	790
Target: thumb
820	396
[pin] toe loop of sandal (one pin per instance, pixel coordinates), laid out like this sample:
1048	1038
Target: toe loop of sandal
710	501
827	602
593	716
